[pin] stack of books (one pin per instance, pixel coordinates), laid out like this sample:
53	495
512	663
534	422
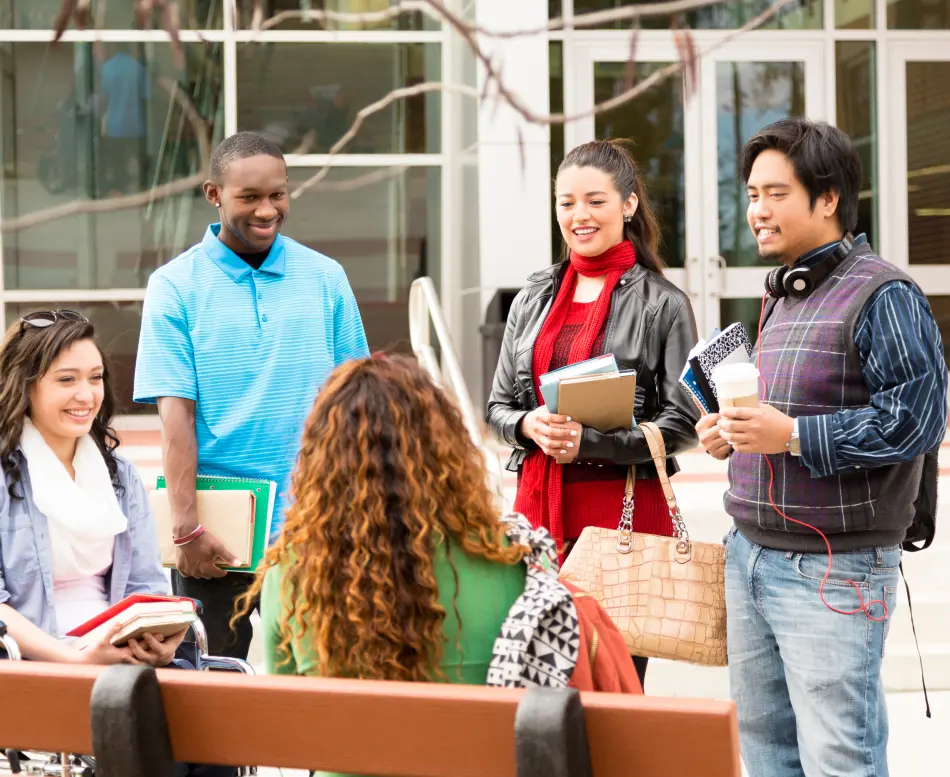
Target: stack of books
239	512
139	614
594	393
730	346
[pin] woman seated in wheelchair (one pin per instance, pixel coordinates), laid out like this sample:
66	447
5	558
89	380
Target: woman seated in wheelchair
76	531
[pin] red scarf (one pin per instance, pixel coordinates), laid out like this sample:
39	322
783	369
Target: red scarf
539	494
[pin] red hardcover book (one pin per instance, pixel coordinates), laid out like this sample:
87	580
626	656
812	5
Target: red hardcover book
116	610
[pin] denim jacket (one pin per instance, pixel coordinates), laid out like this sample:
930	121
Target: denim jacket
26	573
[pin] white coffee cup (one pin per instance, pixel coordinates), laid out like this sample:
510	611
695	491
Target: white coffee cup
737	385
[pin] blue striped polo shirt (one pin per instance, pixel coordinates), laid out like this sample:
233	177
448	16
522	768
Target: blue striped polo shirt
250	347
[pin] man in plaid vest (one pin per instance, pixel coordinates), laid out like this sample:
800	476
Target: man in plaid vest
854	392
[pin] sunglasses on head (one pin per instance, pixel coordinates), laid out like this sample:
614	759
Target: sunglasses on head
44	318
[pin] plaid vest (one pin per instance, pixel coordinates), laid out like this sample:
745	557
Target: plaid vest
811	366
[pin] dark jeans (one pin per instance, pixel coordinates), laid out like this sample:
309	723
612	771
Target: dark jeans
217	595
640	664
117	153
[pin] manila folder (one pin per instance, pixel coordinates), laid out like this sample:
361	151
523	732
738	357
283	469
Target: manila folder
604	402
228	515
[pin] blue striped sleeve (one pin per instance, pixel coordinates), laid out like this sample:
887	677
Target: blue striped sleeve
902	362
165	363
349	338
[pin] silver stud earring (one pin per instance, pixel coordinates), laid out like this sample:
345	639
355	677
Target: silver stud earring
627	218
217	205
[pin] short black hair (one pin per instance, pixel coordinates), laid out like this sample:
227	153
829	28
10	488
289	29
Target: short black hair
823	157
241	145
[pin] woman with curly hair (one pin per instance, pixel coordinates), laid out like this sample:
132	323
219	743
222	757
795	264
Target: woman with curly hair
393	563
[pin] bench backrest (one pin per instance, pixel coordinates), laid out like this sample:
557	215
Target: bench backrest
364	727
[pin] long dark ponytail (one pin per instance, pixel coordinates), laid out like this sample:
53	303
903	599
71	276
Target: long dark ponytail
613	159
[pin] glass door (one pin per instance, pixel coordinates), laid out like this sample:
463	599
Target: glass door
745	86
663	127
688	149
919	199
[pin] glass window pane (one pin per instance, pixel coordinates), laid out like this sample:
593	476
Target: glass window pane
749	95
287	90
554	9
278	10
654	123
918	14
97	121
117	331
119	15
854	14
384	226
556	96
804	15
857	115
928	163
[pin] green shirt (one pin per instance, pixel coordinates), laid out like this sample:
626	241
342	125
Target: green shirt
486	592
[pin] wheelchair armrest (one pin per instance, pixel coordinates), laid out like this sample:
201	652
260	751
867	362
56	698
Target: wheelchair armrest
207	663
9	645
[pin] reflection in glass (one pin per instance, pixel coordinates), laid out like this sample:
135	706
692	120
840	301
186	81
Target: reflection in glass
940	305
803	15
287	90
654	123
273	8
384	226
928	163
855	14
918	15
98	121
857	115
749	96
746	311
119	14
117	331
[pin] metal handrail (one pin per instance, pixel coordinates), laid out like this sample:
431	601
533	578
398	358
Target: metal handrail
426	317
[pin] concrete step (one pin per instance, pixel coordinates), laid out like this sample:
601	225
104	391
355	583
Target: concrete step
901	670
931	617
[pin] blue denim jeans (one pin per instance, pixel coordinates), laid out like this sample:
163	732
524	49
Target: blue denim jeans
806	680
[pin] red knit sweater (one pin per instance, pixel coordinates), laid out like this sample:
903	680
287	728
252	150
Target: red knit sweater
593	490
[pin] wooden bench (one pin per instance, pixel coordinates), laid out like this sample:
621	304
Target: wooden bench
119	715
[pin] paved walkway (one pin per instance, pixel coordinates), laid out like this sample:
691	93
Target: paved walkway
918	747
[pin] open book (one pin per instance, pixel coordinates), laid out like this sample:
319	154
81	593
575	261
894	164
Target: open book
139	614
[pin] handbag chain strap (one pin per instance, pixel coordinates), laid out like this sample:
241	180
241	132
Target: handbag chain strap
654	439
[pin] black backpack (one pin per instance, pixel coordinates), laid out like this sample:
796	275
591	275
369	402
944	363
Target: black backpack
924	526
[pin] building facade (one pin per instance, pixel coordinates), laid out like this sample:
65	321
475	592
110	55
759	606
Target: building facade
456	184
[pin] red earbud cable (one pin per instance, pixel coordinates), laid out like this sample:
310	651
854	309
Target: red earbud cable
865	607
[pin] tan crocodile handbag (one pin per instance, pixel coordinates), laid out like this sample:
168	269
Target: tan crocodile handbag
665	594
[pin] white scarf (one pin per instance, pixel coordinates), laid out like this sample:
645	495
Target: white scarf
83	514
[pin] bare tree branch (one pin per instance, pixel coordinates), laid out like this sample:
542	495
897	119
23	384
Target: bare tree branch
376	107
436	9
200	129
351	184
402	7
518	104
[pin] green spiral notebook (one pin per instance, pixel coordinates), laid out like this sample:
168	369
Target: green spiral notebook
238	511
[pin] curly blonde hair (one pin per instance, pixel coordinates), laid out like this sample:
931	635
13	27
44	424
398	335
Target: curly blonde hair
386	471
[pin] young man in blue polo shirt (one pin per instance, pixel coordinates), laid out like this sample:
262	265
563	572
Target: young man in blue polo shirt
238	334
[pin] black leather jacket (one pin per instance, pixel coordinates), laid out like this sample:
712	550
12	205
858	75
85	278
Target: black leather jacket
650	329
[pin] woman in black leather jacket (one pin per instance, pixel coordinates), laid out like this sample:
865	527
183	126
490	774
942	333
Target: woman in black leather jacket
609	296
